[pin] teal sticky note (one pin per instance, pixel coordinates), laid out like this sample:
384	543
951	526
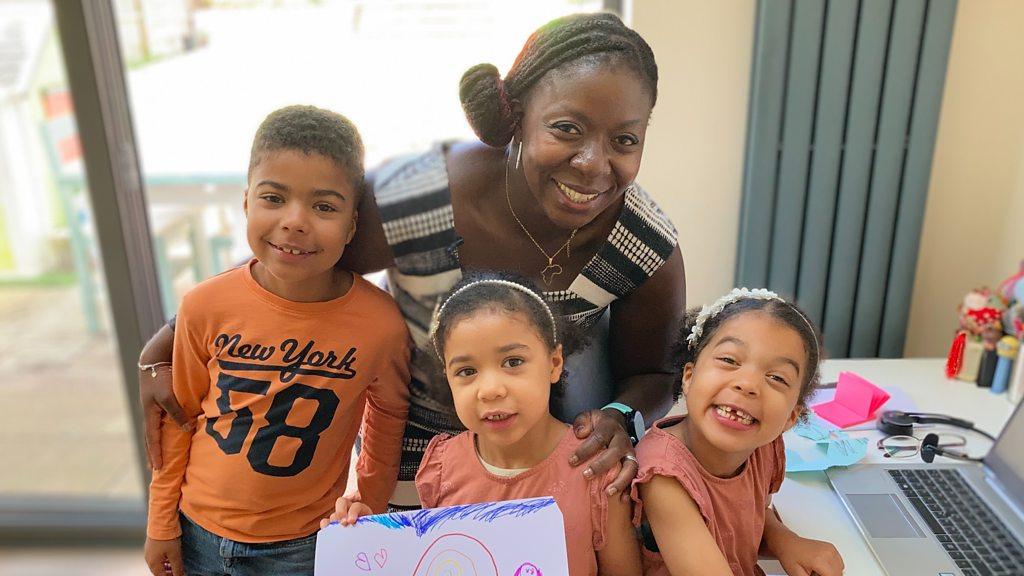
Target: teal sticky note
829	446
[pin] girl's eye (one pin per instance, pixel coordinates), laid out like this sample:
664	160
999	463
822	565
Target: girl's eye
727	360
324	208
465	372
272	198
514	362
627	140
780	379
567	127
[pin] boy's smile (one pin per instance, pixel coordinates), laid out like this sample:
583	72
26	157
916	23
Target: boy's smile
300	211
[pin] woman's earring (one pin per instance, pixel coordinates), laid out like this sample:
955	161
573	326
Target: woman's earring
519	154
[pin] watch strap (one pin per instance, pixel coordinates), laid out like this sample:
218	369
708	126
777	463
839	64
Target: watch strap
626	410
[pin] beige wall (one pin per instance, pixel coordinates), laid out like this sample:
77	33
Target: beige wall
693	158
974	221
693	163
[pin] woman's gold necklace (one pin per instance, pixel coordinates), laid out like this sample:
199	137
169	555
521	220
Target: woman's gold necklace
551	270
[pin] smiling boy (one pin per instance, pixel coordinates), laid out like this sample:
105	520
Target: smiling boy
276	361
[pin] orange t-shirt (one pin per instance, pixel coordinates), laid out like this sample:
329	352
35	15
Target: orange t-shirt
451	474
733	508
278	390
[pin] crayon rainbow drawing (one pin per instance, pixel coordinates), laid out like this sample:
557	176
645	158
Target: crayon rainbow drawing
470	540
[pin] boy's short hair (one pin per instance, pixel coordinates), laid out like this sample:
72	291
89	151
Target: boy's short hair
311	130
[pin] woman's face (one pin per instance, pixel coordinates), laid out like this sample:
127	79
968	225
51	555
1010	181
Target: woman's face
582	133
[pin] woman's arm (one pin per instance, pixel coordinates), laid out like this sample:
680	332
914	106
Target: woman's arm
684	540
156	393
643	327
621	553
369	250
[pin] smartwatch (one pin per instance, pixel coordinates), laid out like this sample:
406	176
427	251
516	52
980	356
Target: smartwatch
634	421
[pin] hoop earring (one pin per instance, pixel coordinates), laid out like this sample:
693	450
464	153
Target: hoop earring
519	155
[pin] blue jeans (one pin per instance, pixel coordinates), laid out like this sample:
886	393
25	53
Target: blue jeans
206	554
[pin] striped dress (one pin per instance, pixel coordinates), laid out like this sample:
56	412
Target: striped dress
415	206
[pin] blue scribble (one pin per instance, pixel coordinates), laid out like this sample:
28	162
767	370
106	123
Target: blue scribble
425	520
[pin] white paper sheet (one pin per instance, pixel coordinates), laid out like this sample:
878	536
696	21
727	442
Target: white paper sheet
514	538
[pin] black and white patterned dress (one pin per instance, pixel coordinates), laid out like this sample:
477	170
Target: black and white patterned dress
415	206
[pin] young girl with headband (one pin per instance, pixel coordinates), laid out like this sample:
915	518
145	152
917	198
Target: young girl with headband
749	362
502	352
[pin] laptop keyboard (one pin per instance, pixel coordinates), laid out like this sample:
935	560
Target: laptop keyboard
971	533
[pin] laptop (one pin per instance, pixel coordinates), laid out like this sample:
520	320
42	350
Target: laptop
958	519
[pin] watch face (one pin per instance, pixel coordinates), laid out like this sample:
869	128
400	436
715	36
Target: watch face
638	425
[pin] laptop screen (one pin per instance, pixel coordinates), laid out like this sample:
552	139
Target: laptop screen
1006	458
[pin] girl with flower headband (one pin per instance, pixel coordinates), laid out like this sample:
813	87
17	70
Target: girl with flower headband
502	350
749	362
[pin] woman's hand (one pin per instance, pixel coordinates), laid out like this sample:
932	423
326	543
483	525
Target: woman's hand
156	393
606	436
157	399
346	511
164	557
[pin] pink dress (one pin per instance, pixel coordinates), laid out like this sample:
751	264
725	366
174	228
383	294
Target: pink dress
733	508
452	474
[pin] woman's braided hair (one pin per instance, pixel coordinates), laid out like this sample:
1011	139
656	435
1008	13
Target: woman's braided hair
488	100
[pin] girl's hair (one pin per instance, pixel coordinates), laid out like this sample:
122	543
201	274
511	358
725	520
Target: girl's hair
488	100
489	290
783	311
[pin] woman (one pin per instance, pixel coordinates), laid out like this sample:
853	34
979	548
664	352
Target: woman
549	194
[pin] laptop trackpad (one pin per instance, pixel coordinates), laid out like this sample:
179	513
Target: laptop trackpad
883	516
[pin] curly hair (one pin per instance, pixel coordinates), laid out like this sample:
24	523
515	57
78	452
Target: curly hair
785	312
488	100
458	306
311	130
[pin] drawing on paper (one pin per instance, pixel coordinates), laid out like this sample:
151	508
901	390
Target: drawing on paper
456	555
468	540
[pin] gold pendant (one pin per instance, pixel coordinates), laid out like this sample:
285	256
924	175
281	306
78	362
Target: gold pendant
553	270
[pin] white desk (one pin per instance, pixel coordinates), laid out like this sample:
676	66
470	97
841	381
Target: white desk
806	501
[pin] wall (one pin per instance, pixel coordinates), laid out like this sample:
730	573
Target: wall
693	158
974	218
973	230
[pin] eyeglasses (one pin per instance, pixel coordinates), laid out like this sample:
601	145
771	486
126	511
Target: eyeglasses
909	446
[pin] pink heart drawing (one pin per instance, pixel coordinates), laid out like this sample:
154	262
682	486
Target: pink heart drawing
381	558
362	562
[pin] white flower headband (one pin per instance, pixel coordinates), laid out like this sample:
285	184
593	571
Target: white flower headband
716	307
506	283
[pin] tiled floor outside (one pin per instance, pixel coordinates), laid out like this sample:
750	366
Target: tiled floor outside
72	562
64	422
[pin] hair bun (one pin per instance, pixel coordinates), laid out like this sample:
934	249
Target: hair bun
486	105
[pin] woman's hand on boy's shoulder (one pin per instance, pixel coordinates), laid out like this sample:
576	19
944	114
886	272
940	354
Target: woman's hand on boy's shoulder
804	557
164	557
347	510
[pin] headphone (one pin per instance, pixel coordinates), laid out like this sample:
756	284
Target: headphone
898	423
930	449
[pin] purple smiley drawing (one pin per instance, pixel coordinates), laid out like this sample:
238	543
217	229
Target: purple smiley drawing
528	569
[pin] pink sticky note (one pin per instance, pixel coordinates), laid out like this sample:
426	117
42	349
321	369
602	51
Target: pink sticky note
855	402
